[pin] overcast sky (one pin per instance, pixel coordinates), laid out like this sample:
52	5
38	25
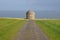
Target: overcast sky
29	4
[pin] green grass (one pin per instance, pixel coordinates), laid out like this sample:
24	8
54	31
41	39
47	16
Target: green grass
9	28
51	28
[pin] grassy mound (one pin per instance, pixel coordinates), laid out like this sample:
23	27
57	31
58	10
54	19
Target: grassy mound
9	28
51	28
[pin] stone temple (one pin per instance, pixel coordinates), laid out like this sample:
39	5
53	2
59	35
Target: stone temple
30	14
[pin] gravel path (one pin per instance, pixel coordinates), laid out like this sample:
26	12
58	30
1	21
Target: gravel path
31	31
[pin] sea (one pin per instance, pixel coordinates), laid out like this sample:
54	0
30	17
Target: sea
38	14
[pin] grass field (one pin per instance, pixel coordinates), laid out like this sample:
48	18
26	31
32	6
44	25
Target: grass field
51	28
9	28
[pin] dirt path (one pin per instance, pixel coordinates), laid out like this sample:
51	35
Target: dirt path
31	31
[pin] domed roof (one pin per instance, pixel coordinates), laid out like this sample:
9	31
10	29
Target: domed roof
30	12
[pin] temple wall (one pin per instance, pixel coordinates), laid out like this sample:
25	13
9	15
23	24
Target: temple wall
30	15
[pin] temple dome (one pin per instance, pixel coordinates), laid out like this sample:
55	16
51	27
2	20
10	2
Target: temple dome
30	11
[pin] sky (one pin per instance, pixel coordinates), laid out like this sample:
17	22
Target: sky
29	4
18	8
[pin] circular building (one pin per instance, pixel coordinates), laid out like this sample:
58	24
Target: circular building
30	14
